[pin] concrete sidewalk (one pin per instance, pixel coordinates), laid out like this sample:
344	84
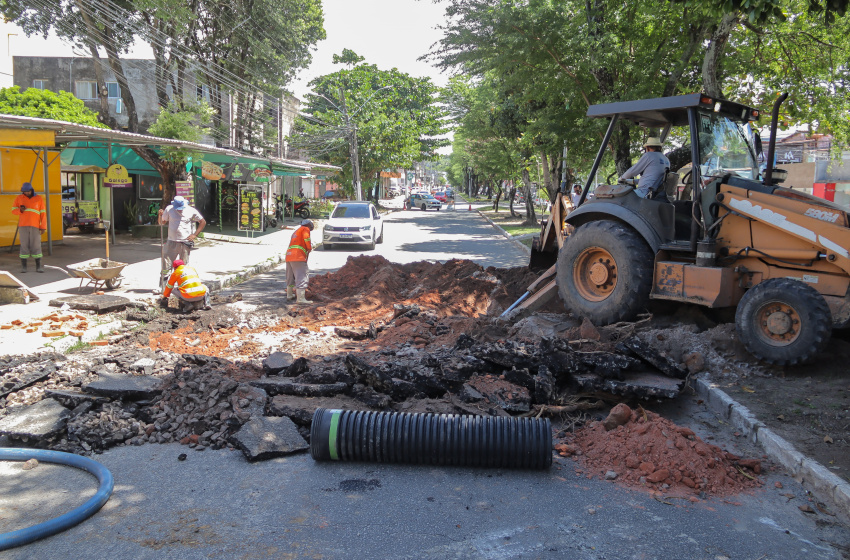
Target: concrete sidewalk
219	263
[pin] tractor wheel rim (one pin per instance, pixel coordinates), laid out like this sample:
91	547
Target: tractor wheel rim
595	274
778	323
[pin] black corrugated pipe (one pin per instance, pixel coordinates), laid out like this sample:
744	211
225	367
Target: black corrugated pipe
431	439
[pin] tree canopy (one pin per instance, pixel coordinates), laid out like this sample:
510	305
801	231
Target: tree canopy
549	60
46	104
394	117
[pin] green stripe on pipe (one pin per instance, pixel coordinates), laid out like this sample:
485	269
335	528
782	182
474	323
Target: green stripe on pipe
332	435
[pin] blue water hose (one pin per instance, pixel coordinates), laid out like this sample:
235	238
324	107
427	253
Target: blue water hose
73	517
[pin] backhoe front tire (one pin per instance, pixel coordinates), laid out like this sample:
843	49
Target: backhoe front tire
783	322
604	272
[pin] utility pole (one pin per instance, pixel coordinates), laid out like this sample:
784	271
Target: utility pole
352	146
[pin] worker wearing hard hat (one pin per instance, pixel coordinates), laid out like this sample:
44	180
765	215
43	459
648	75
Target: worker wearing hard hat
296	262
32	223
652	167
191	292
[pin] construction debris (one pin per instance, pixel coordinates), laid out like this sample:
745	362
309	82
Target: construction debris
422	337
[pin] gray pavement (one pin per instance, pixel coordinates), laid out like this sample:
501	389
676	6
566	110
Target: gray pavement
216	504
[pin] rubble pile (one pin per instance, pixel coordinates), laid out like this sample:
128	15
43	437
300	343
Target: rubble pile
641	449
201	405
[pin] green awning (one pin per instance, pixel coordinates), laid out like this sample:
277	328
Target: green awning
97	154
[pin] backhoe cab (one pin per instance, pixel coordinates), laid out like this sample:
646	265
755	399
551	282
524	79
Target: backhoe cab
731	237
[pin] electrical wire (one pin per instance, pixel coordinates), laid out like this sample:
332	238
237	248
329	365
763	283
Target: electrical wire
146	31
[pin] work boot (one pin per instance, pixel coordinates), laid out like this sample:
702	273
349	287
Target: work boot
301	298
38	266
289	294
23	265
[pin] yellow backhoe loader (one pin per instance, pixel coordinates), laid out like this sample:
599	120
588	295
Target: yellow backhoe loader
738	239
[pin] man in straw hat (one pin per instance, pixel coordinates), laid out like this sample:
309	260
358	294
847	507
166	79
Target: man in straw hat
652	168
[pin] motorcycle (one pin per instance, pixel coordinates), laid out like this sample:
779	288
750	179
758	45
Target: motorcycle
277	217
301	208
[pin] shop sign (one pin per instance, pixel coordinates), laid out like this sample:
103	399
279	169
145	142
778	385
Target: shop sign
211	171
247	173
186	189
85	209
250	210
390	174
117	177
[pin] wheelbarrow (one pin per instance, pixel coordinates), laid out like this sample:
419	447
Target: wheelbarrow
100	273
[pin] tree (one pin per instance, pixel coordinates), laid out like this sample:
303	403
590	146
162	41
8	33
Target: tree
194	42
386	117
46	104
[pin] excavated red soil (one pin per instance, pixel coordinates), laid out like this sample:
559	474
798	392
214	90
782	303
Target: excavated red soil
649	451
364	291
366	288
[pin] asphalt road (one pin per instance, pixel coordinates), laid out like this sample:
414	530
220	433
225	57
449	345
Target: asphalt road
217	505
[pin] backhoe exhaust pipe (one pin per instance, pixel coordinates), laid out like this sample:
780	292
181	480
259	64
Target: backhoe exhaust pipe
771	146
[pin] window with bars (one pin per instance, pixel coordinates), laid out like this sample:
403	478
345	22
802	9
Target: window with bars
86	90
39	84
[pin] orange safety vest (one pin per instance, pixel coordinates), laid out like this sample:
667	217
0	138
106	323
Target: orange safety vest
299	245
186	279
35	214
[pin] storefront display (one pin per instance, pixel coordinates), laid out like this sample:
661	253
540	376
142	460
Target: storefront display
250	208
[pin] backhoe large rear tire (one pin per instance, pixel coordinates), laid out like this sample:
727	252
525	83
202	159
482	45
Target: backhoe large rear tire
605	272
783	321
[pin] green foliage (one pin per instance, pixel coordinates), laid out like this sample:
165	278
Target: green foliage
348	57
46	104
188	123
395	115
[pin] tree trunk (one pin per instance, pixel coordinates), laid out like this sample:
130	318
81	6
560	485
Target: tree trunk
530	215
511	196
714	55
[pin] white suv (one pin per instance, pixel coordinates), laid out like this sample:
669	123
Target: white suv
353	223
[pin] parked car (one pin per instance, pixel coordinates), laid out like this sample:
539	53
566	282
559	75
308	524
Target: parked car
441	196
353	222
333	196
423	201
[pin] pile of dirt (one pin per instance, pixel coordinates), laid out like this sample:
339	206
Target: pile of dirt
644	450
369	286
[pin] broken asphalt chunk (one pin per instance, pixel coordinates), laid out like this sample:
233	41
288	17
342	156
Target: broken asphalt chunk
277	362
267	437
40	420
287	386
73	399
129	387
643	351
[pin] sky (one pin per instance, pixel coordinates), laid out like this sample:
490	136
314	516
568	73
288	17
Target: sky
388	33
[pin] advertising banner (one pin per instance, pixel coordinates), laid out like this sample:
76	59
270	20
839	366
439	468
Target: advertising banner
250	210
186	189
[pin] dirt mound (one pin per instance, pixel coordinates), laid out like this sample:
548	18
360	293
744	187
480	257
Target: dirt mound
651	452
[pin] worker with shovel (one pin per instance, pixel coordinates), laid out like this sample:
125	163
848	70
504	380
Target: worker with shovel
191	292
180	216
32	222
296	262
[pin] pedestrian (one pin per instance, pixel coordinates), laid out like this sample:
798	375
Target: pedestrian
576	195
652	167
32	223
191	292
296	262
181	238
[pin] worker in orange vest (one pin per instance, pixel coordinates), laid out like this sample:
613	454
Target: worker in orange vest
296	262
191	292
32	222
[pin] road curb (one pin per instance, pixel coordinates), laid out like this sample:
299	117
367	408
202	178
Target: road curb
822	482
227	280
510	237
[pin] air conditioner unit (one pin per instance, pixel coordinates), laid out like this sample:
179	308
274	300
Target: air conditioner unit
119	106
